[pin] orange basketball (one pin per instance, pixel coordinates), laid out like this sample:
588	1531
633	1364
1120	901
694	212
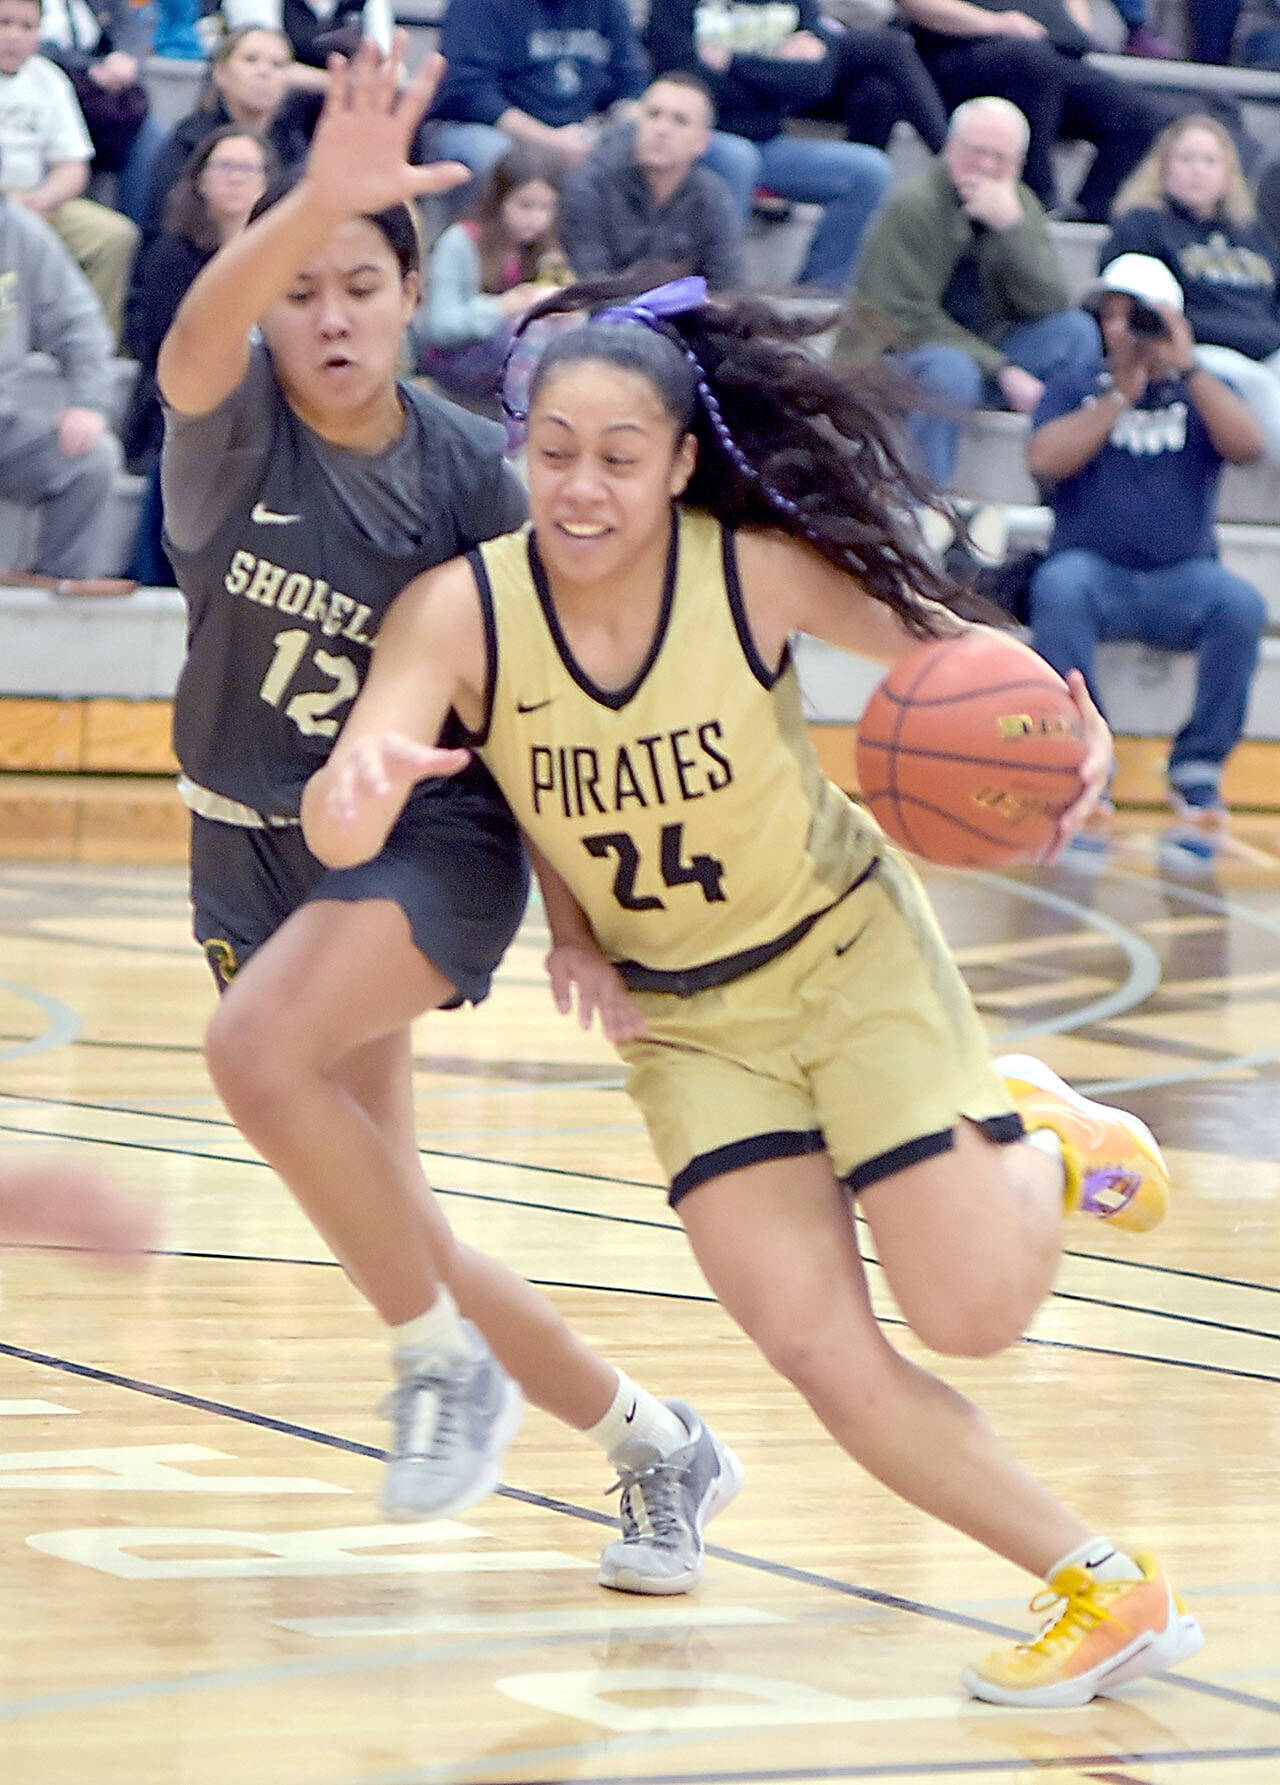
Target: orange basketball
969	751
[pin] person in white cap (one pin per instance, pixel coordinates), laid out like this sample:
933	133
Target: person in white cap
1131	459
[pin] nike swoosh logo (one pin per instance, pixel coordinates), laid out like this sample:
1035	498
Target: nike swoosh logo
844	947
630	1416
533	706
267	517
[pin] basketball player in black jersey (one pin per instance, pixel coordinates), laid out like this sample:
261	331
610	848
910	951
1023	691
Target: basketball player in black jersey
303	487
800	1036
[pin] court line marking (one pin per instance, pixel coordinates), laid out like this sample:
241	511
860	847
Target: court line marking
459	1774
1231	1371
588	1515
63	1024
1145	968
1228	911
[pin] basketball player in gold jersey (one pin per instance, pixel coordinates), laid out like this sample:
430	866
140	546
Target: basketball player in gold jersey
797	1034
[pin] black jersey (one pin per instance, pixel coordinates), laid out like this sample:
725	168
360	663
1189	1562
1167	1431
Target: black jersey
285	600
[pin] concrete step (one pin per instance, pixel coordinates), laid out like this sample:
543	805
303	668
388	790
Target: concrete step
992	465
1079	245
62	647
1144	691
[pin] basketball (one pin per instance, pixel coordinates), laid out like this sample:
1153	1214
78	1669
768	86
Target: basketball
970	750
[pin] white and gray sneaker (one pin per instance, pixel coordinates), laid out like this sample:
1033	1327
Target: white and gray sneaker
665	1503
452	1419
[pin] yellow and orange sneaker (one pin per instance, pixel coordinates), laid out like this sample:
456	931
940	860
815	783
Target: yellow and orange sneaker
1102	1633
1115	1170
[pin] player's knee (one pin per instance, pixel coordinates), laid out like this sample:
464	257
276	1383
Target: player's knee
801	1348
240	1045
983	1298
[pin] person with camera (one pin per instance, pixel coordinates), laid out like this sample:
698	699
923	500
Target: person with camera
1131	459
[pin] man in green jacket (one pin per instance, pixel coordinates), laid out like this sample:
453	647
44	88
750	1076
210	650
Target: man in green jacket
959	281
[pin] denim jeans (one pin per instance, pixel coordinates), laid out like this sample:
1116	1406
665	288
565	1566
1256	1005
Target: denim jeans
1056	343
847	179
1079	599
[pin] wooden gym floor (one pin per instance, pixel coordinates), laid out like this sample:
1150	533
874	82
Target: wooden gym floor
194	1585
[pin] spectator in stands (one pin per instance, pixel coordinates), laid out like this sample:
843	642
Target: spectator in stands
795	61
1212	25
310	28
754	97
225	177
101	52
961	282
486	271
45	152
64	470
1141	36
1036	58
644	194
545	72
1187	203
1131	457
248	85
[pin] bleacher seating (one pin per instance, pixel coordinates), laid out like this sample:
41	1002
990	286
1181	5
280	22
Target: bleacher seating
131	648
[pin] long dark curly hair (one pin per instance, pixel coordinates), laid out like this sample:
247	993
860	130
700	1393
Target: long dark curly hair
785	440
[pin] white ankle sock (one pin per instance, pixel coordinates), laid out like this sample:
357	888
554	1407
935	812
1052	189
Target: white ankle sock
1102	1559
438	1330
636	1416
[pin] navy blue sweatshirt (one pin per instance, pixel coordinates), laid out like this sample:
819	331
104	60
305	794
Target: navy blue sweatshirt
1228	273
561	61
755	95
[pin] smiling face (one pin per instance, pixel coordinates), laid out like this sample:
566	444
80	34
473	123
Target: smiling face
1196	171
335	336
605	460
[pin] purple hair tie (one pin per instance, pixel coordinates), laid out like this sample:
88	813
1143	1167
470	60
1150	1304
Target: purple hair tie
651	308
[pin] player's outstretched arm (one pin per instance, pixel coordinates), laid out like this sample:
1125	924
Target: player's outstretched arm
358	164
430	658
790	587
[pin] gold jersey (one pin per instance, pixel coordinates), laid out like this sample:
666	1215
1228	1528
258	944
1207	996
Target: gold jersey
687	811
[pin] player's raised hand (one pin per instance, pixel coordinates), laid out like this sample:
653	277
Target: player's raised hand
359	159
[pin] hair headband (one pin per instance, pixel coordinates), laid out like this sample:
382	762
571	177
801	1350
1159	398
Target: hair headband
651	310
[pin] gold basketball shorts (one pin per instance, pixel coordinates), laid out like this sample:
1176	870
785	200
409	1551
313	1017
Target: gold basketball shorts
861	1041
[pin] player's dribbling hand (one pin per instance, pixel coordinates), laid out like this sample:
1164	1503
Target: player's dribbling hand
1095	769
376	767
599	989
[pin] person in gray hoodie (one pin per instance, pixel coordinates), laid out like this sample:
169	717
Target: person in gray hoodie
646	195
63	468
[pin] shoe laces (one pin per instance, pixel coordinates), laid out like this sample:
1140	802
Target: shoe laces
650	1503
1082	1610
404	1407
